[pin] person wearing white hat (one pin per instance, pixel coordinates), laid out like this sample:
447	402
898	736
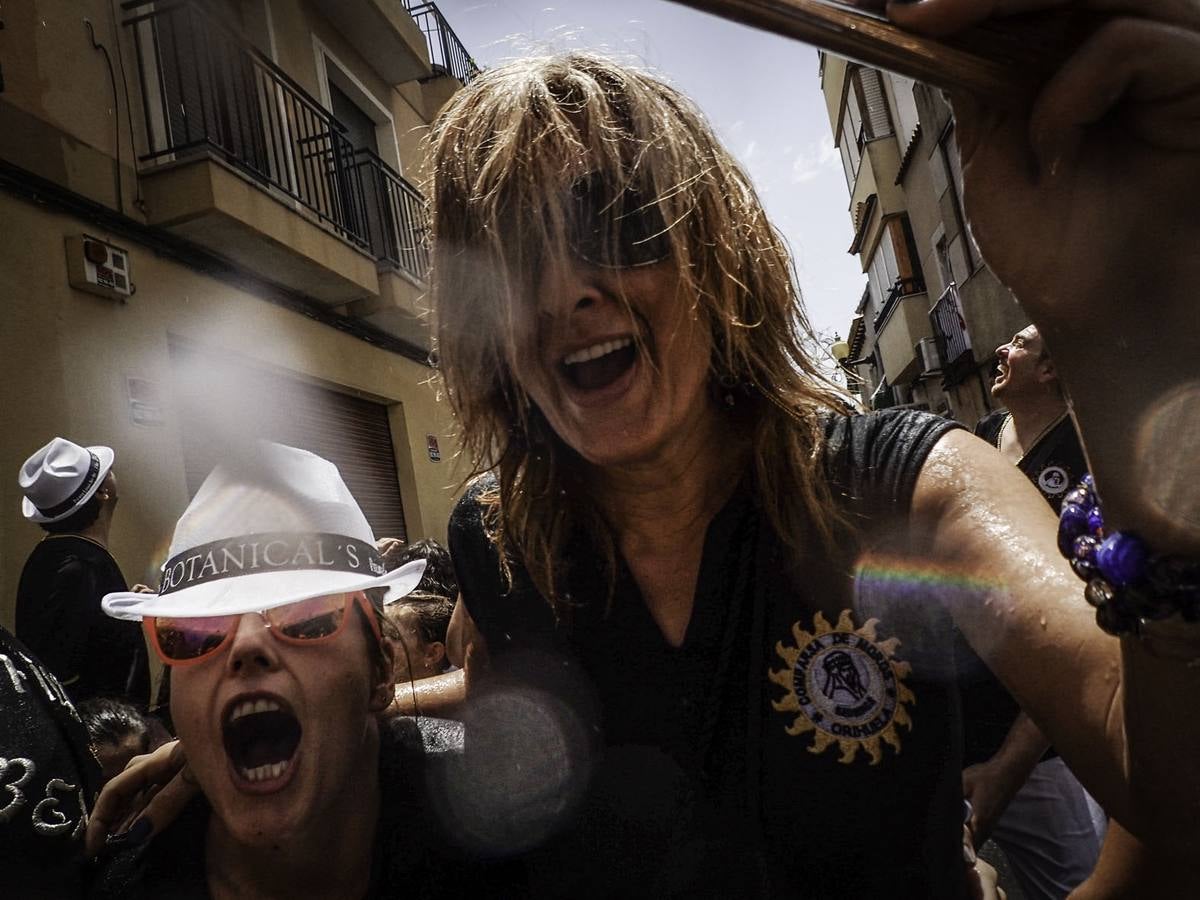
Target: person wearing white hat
270	617
71	492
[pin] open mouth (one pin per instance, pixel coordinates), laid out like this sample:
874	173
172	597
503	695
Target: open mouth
261	737
599	365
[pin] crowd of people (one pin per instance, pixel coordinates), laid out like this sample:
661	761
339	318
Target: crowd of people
703	628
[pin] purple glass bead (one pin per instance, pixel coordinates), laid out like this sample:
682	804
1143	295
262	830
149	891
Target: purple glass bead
1121	558
1073	520
1080	496
1084	547
1095	520
1087	481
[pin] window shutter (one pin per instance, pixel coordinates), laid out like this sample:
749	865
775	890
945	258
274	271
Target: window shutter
877	121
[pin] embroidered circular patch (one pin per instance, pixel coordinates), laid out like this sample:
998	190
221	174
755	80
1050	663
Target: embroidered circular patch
845	686
1053	480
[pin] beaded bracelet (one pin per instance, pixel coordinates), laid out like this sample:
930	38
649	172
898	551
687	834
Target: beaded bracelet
1125	582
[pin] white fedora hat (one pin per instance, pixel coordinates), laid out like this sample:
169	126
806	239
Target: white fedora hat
60	478
271	527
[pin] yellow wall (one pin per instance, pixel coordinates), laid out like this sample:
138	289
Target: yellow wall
67	354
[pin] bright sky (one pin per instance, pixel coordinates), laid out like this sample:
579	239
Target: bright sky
761	93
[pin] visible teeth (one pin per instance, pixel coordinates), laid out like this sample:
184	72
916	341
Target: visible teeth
247	707
596	351
268	770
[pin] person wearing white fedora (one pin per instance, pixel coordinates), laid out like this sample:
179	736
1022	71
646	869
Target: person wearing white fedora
269	615
71	492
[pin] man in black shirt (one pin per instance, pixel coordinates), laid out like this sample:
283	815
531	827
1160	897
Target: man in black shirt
1034	433
1022	794
71	492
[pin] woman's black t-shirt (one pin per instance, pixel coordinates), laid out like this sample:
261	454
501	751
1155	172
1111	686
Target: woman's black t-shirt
803	741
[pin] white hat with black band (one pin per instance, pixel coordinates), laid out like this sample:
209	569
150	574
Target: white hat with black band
60	478
273	527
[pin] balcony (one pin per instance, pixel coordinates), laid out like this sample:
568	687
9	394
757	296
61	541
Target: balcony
243	161
447	55
953	341
900	324
384	34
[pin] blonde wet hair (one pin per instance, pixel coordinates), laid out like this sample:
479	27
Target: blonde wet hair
507	153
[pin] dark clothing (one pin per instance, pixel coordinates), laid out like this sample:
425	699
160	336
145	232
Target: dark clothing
1054	465
803	741
48	780
410	858
60	619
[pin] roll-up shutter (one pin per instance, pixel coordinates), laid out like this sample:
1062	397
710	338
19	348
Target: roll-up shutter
217	395
877	122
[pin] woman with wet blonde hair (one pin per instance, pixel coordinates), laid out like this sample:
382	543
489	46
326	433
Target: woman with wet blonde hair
723	602
544	141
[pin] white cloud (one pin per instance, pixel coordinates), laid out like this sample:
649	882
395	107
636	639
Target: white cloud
813	161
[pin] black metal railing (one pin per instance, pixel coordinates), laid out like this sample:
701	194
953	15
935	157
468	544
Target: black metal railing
395	218
901	288
205	90
950	333
447	54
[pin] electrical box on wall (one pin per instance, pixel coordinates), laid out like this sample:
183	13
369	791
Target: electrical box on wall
98	267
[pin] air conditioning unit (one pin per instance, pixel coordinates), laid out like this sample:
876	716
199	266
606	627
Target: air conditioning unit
931	362
98	267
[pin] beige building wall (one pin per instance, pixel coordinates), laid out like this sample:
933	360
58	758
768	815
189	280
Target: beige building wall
67	355
58	112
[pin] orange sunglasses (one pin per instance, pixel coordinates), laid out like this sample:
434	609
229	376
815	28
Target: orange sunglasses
184	641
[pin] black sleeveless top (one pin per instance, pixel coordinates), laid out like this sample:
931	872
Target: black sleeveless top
803	741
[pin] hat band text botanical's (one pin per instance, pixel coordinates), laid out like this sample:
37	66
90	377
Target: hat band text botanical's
284	551
89	479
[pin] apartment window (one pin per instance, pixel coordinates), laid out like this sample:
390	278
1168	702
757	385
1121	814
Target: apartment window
850	140
865	117
960	252
907	118
894	262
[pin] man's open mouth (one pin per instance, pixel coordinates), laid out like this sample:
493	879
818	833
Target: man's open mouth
599	365
261	737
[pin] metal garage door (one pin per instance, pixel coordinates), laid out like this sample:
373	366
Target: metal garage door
219	396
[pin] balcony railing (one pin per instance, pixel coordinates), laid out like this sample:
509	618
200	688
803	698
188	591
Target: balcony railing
205	90
395	219
950	332
447	54
903	287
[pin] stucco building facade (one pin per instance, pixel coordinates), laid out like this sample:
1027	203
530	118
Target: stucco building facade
924	331
215	233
